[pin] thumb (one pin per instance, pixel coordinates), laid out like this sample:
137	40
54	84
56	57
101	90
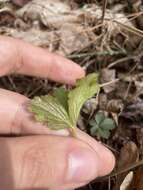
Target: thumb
47	162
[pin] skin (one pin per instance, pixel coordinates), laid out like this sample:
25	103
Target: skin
40	158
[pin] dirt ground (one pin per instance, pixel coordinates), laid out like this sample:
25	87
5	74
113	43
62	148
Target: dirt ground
104	37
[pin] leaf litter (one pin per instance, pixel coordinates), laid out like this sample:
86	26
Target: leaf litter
114	49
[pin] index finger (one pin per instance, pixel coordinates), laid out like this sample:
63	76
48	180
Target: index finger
22	58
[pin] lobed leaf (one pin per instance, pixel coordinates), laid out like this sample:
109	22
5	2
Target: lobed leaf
94	129
85	89
99	118
62	96
48	110
108	124
103	133
63	108
101	125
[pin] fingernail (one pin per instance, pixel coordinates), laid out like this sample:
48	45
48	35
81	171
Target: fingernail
82	165
74	73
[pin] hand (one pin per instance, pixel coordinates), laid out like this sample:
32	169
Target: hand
50	159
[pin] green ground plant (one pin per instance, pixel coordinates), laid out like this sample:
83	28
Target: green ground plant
61	109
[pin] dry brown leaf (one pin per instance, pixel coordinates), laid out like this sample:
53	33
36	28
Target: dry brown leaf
133	114
127	181
36	37
103	101
56	13
139	137
90	106
73	37
81	123
115	105
108	75
138	8
129	155
48	12
7	17
74	25
125	91
137	182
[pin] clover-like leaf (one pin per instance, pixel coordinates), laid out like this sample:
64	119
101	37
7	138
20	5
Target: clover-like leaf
107	124
94	129
101	126
99	117
103	133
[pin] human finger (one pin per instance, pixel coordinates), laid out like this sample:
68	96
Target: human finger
20	57
41	162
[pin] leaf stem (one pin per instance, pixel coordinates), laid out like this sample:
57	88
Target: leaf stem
73	131
109	83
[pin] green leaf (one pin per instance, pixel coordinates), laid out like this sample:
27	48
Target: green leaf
89	80
107	124
101	125
99	117
62	96
62	109
92	123
85	89
93	130
48	110
103	133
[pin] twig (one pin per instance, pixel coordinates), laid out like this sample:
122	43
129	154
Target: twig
110	148
130	29
91	42
81	55
117	80
129	86
127	91
135	15
120	61
134	67
104	10
12	83
133	166
127	169
109	183
138	93
108	83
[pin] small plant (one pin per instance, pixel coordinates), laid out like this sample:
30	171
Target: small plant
101	126
61	109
